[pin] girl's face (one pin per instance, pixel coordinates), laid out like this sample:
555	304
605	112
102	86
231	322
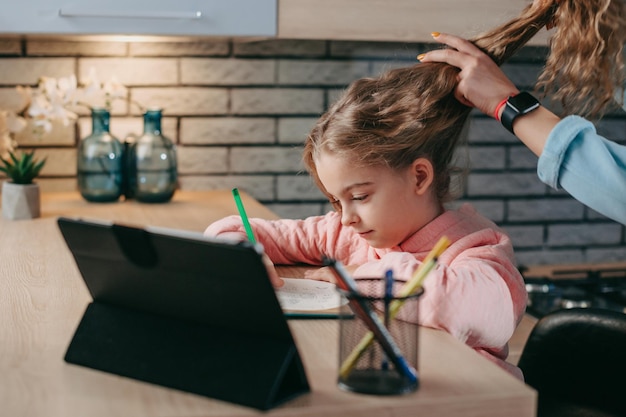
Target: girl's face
383	206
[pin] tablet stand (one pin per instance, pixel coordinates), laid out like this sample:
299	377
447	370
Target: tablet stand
252	370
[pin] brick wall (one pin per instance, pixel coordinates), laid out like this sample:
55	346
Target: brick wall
239	112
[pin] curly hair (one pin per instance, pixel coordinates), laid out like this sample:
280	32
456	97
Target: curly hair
584	70
408	113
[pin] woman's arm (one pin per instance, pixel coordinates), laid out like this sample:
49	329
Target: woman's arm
588	166
571	153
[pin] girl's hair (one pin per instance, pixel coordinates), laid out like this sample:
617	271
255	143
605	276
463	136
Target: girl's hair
408	113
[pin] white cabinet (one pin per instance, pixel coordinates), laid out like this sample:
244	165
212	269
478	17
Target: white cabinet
140	17
373	20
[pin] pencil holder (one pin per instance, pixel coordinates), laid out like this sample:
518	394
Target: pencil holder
366	365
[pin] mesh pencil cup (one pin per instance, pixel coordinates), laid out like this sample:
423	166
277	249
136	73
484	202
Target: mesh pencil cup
364	367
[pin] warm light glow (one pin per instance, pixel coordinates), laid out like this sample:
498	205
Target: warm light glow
126	38
119	38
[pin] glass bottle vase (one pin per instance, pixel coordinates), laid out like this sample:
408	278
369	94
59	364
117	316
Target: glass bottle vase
100	161
152	165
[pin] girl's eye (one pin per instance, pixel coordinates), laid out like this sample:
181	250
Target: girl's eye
336	204
359	197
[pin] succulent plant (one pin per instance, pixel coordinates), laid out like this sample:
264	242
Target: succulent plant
23	169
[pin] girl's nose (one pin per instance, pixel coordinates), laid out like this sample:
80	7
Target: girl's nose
348	217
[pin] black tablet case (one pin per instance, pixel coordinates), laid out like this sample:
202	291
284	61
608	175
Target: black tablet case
188	313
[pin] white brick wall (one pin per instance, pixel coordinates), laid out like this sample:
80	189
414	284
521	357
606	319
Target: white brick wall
227	130
240	110
227	71
27	70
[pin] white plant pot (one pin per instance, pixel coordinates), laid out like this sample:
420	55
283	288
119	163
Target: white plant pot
20	201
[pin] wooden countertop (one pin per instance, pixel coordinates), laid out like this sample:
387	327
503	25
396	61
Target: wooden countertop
42	298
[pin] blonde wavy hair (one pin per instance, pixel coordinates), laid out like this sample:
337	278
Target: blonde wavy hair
584	69
409	113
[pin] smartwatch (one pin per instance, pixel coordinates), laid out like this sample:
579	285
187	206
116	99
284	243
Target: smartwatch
517	105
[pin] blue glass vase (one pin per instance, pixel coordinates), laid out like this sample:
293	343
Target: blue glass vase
152	165
100	161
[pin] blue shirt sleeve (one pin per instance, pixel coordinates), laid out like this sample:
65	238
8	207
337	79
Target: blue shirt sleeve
588	166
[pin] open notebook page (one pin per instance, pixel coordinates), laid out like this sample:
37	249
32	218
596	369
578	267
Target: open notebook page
300	297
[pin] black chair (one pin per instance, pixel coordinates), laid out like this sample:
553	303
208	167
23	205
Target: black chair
576	360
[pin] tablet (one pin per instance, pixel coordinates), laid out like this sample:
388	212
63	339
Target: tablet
218	292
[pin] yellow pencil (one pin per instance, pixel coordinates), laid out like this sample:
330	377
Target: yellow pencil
409	288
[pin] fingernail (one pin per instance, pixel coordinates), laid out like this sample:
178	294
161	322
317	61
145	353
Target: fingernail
420	57
435	34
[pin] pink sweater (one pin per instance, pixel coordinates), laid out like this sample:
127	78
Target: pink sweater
476	293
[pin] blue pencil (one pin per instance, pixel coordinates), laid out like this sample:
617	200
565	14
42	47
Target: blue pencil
387	300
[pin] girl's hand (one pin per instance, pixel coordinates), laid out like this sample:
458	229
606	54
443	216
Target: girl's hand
242	237
481	83
276	280
320	274
326	274
234	236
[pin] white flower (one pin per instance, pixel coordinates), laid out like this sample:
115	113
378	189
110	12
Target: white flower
96	93
7	144
68	88
14	123
51	100
113	90
10	123
26	94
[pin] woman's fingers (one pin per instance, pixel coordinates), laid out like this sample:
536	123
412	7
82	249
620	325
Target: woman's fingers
461	98
462	55
449	56
481	83
455	58
455	42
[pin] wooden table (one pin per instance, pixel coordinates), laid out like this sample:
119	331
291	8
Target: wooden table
42	298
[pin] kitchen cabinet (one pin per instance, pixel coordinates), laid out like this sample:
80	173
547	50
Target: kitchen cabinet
357	20
393	20
140	17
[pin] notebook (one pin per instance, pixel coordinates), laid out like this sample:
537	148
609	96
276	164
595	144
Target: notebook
302	298
184	311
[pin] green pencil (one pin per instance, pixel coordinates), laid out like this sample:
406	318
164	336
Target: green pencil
244	216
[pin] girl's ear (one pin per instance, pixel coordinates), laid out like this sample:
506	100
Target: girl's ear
424	175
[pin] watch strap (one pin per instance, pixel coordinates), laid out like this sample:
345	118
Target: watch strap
517	105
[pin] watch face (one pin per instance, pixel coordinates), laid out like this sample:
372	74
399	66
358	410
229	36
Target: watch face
523	103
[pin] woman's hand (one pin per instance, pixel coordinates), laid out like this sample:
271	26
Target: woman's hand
481	83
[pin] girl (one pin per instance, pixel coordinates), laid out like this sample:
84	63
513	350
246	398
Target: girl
383	154
388	192
383	158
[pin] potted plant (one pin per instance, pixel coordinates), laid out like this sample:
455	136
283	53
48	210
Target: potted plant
20	195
